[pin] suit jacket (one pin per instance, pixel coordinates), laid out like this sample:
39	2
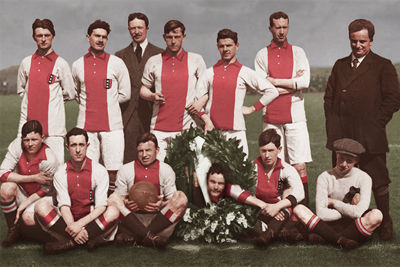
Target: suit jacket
359	103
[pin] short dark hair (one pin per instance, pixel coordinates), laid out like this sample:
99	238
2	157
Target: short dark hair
217	168
360	24
138	15
277	15
172	25
99	24
146	137
45	24
227	33
76	131
32	126
269	136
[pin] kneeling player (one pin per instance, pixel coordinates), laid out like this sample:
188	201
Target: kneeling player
81	186
26	175
155	223
342	200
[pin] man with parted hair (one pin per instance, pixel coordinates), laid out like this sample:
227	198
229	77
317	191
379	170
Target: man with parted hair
136	114
287	68
360	98
102	83
26	175
174	74
222	89
44	81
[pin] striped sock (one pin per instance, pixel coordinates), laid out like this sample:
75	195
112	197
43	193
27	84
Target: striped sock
10	212
317	226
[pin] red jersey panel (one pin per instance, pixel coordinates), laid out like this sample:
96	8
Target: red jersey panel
149	173
268	187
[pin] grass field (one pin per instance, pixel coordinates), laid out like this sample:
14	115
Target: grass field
179	253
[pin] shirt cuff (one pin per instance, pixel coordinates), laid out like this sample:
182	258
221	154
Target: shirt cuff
258	105
41	193
243	196
4	177
199	114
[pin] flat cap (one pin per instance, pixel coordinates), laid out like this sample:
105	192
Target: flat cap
348	146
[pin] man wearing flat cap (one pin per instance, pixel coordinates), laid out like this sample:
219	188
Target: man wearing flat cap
342	200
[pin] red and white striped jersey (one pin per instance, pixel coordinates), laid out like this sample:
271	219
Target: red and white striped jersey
83	190
175	77
226	86
284	62
44	82
160	174
102	83
234	191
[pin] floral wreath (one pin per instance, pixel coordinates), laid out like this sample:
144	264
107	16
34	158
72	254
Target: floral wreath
226	220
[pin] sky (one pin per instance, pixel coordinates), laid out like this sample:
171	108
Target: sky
318	26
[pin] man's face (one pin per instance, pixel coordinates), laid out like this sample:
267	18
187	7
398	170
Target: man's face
227	49
43	38
279	30
77	148
32	143
215	184
138	30
360	43
98	39
269	154
344	163
174	40
147	152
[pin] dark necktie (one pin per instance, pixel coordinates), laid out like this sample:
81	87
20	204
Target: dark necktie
138	53
354	64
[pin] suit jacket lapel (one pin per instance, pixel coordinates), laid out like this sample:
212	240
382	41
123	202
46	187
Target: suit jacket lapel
350	75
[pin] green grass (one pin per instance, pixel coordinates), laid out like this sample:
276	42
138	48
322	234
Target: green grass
373	253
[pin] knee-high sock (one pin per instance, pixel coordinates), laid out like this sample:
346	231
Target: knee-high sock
165	218
10	212
136	227
306	200
323	229
356	231
97	227
55	223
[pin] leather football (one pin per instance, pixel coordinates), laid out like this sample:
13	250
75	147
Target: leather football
142	193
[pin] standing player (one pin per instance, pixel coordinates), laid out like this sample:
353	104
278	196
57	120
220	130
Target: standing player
360	98
81	186
342	200
136	114
223	87
26	175
287	68
102	82
174	74
44	79
154	225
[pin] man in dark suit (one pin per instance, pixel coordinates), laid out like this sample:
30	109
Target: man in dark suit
361	96
136	114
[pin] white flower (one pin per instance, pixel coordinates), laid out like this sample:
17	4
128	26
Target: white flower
193	146
208	238
213	226
187	217
242	220
230	217
186	237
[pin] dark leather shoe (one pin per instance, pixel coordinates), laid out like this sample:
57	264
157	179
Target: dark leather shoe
58	247
386	231
125	239
264	238
99	241
291	236
12	237
347	244
314	238
152	240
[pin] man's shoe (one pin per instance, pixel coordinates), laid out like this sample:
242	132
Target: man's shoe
386	230
99	241
58	247
347	244
12	237
291	236
125	239
156	241
264	238
314	238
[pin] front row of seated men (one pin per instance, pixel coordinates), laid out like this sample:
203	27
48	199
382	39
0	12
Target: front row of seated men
82	214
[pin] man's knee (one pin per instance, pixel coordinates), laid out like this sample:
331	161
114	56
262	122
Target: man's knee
28	217
115	200
372	219
301	169
111	213
43	207
302	212
178	202
8	191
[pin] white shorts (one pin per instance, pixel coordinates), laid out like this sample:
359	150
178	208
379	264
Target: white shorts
31	207
163	139
56	143
295	141
239	135
110	145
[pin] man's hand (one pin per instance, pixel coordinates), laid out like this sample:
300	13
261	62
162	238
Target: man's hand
154	206
248	110
331	202
355	199
74	229
280	216
208	126
271	210
43	178
82	237
271	80
194	107
299	73
131	205
158	98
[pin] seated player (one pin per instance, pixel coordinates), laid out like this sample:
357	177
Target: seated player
26	175
81	186
218	187
342	199
273	174
153	225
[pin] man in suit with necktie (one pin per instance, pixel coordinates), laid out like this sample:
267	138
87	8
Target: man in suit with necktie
136	114
361	96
